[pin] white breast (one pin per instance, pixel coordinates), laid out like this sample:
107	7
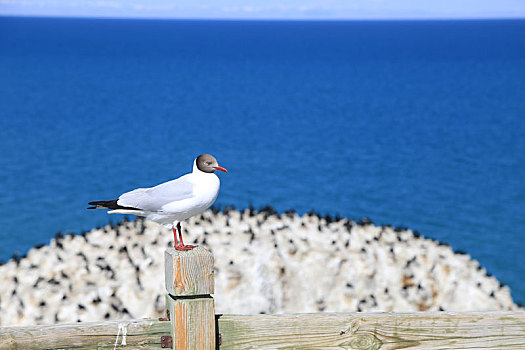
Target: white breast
205	192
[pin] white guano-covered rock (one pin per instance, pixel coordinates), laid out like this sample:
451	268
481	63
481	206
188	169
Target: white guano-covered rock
264	263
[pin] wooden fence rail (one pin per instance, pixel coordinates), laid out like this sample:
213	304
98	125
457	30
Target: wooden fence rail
128	334
192	324
421	330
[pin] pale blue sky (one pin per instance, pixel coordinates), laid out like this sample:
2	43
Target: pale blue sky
268	9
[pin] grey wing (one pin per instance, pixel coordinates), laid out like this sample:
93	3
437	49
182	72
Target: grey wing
154	198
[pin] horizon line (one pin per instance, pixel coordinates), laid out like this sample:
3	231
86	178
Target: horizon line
262	19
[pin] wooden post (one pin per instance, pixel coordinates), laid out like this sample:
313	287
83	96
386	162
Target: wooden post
189	283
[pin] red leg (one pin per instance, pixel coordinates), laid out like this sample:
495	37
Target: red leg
181	245
176	244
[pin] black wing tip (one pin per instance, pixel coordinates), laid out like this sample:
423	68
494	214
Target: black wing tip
112	204
102	204
98	202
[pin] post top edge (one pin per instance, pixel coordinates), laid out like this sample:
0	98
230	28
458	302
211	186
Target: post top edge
197	251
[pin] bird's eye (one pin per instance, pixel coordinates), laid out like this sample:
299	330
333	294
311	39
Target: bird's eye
208	163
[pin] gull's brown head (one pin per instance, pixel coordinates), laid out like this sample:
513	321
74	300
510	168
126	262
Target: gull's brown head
208	164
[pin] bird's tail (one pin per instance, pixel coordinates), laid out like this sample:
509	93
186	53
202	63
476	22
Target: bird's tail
112	204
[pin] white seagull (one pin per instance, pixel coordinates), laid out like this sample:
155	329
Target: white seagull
174	201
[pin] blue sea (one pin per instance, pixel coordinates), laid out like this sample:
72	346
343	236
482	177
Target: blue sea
410	123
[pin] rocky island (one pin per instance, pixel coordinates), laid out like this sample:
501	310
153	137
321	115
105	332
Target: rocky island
265	262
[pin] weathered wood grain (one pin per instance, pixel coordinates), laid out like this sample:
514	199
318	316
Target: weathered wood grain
128	334
189	272
189	283
193	323
494	330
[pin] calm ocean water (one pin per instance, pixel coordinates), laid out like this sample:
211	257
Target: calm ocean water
420	124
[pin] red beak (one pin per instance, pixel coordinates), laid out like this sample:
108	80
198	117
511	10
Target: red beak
218	167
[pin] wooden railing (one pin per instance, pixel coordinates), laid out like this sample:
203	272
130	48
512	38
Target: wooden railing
191	323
